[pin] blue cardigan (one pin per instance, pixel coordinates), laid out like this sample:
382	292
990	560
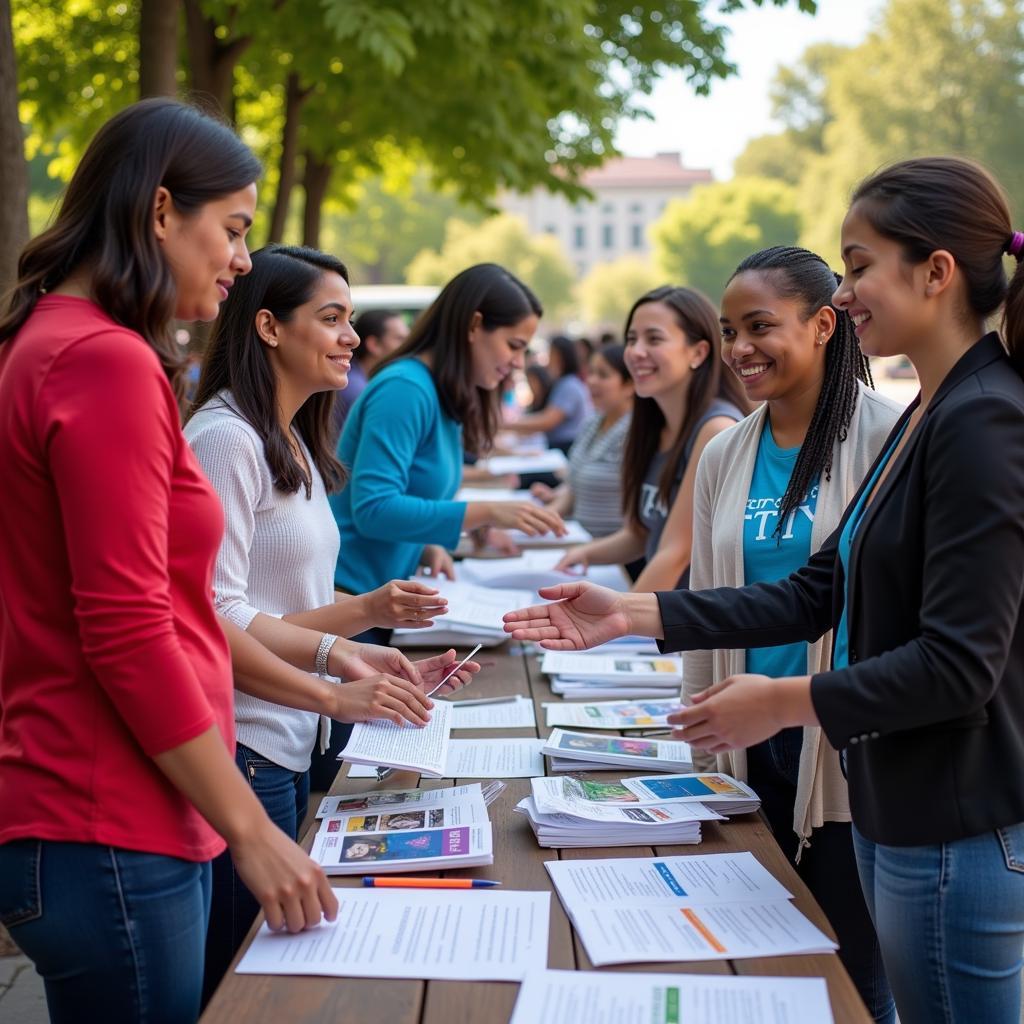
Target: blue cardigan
404	456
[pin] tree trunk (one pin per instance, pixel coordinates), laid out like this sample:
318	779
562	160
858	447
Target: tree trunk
158	48
13	169
315	180
212	60
295	97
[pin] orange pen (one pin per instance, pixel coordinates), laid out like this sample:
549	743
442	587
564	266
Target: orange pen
394	882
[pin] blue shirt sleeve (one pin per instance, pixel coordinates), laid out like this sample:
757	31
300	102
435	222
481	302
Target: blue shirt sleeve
395	418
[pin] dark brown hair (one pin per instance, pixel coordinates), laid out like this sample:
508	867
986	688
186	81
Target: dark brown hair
953	204
106	216
502	300
282	279
803	275
699	322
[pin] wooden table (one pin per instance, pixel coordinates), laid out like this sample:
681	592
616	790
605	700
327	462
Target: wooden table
519	863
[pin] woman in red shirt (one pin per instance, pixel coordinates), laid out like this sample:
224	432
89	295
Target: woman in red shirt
117	783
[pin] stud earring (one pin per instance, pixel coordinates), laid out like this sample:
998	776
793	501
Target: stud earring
694	366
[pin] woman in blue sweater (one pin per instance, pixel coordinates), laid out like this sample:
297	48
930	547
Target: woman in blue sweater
403	440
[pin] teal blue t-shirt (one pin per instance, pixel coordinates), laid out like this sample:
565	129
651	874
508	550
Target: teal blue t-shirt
768	556
841	653
404	458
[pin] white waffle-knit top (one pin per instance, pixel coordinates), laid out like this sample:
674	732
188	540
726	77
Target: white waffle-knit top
277	557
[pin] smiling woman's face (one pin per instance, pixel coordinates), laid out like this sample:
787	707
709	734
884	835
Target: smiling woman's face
498	352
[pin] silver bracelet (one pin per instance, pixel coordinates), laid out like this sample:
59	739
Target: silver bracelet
327	641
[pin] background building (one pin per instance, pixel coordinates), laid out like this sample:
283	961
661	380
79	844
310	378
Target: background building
630	194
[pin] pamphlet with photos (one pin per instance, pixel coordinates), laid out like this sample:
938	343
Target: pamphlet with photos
420	849
722	792
583	751
378	800
614	714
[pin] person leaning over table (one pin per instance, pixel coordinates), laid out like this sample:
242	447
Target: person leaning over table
593	492
117	784
768	492
260	426
922	582
684	397
403	440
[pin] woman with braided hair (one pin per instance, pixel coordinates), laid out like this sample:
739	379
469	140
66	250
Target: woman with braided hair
768	492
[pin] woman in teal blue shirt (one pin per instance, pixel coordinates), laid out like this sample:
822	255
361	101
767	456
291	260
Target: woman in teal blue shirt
404	438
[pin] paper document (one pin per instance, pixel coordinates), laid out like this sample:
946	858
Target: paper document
613	714
714	907
664	670
535	568
414	933
578	750
575	534
543	462
513	714
470	605
588	997
494	494
723	792
497	758
384	799
423	750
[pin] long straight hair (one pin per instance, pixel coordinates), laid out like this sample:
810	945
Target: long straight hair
442	330
282	279
105	220
698	319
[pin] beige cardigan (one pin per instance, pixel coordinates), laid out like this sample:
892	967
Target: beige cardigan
720	496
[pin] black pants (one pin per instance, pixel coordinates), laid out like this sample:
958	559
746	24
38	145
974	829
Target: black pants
828	867
324	767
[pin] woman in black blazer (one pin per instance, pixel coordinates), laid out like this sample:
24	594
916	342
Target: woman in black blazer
922	583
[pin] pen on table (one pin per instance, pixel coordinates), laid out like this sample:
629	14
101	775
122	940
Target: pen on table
484	700
428	883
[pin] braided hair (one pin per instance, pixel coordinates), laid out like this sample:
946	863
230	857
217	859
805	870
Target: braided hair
799	274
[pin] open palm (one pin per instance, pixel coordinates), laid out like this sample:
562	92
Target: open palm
582	615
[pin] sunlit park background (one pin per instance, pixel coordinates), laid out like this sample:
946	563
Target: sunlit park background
595	147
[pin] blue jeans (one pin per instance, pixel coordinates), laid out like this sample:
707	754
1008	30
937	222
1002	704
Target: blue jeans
285	797
950	920
116	935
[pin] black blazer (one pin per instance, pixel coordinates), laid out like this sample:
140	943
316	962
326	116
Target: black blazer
931	707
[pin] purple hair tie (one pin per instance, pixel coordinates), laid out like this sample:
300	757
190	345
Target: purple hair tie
1016	244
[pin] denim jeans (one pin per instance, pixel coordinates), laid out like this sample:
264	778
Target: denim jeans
827	866
116	935
284	795
950	919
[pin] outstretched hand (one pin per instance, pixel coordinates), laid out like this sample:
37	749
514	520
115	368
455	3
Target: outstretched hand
582	615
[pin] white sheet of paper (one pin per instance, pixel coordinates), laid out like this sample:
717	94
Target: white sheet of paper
514	714
535	568
385	800
589	997
543	462
575	534
414	933
362	771
470	605
419	749
497	758
662	670
493	494
703	879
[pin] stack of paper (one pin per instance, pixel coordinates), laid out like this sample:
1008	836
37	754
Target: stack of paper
414	933
722	906
559	820
587	997
550	461
535	568
590	675
614	714
585	751
723	793
482	759
384	800
475	615
453	834
494	494
422	749
575	534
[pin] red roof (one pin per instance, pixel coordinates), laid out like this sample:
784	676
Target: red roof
628	171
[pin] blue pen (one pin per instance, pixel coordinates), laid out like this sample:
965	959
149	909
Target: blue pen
394	882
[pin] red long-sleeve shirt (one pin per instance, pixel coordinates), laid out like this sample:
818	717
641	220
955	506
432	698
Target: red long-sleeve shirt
110	650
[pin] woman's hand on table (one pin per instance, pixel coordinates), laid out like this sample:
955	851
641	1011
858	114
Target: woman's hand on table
436	561
290	887
533	520
575	560
742	711
582	615
433	670
381	697
542	492
405	604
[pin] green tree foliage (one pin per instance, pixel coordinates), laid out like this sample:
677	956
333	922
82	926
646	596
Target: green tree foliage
609	290
538	260
699	240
